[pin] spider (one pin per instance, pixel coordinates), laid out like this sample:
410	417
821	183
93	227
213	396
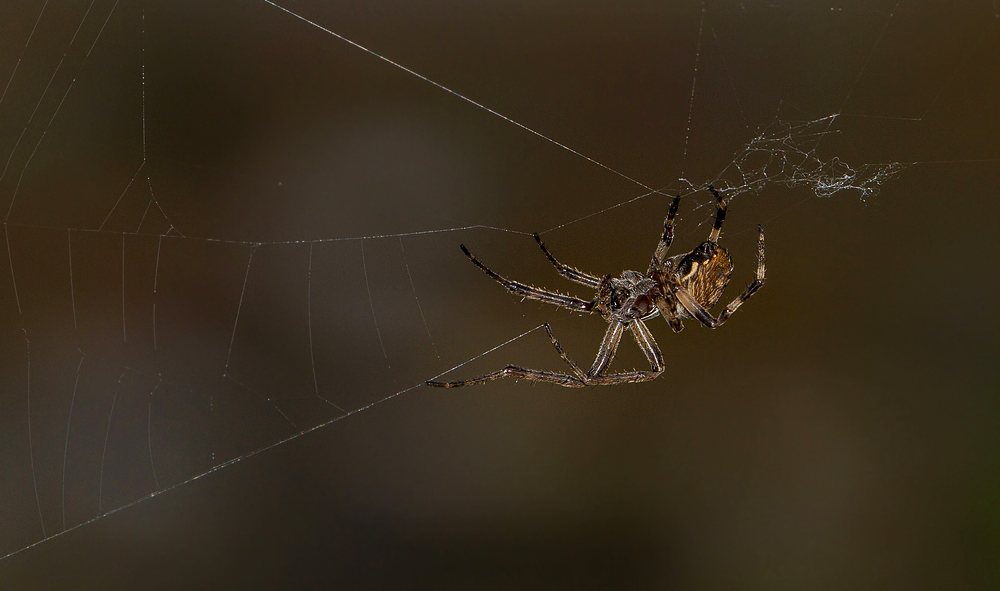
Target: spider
682	286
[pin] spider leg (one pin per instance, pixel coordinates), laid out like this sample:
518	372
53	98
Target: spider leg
562	354
645	340
660	254
516	372
532	292
567	271
575	381
704	316
669	313
609	346
720	215
595	376
647	343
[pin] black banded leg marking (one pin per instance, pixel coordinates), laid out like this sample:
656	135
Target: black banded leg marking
660	254
720	215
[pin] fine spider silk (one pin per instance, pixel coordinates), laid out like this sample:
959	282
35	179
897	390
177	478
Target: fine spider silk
682	286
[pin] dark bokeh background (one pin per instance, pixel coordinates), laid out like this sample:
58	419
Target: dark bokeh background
841	431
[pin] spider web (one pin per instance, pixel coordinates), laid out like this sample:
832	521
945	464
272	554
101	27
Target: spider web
191	284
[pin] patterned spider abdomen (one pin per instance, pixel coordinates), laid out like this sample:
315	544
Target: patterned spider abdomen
705	272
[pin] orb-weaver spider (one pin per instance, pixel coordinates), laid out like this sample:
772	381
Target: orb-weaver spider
682	286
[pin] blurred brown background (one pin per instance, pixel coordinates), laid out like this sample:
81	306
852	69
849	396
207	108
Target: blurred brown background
839	432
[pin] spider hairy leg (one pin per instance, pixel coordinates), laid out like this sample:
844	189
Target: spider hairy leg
648	345
660	254
609	346
595	377
720	215
645	340
565	270
669	313
576	381
516	372
562	353
532	292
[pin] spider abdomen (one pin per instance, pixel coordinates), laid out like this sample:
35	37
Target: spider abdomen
705	272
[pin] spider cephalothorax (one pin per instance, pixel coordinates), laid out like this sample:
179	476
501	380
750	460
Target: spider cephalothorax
678	287
629	297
